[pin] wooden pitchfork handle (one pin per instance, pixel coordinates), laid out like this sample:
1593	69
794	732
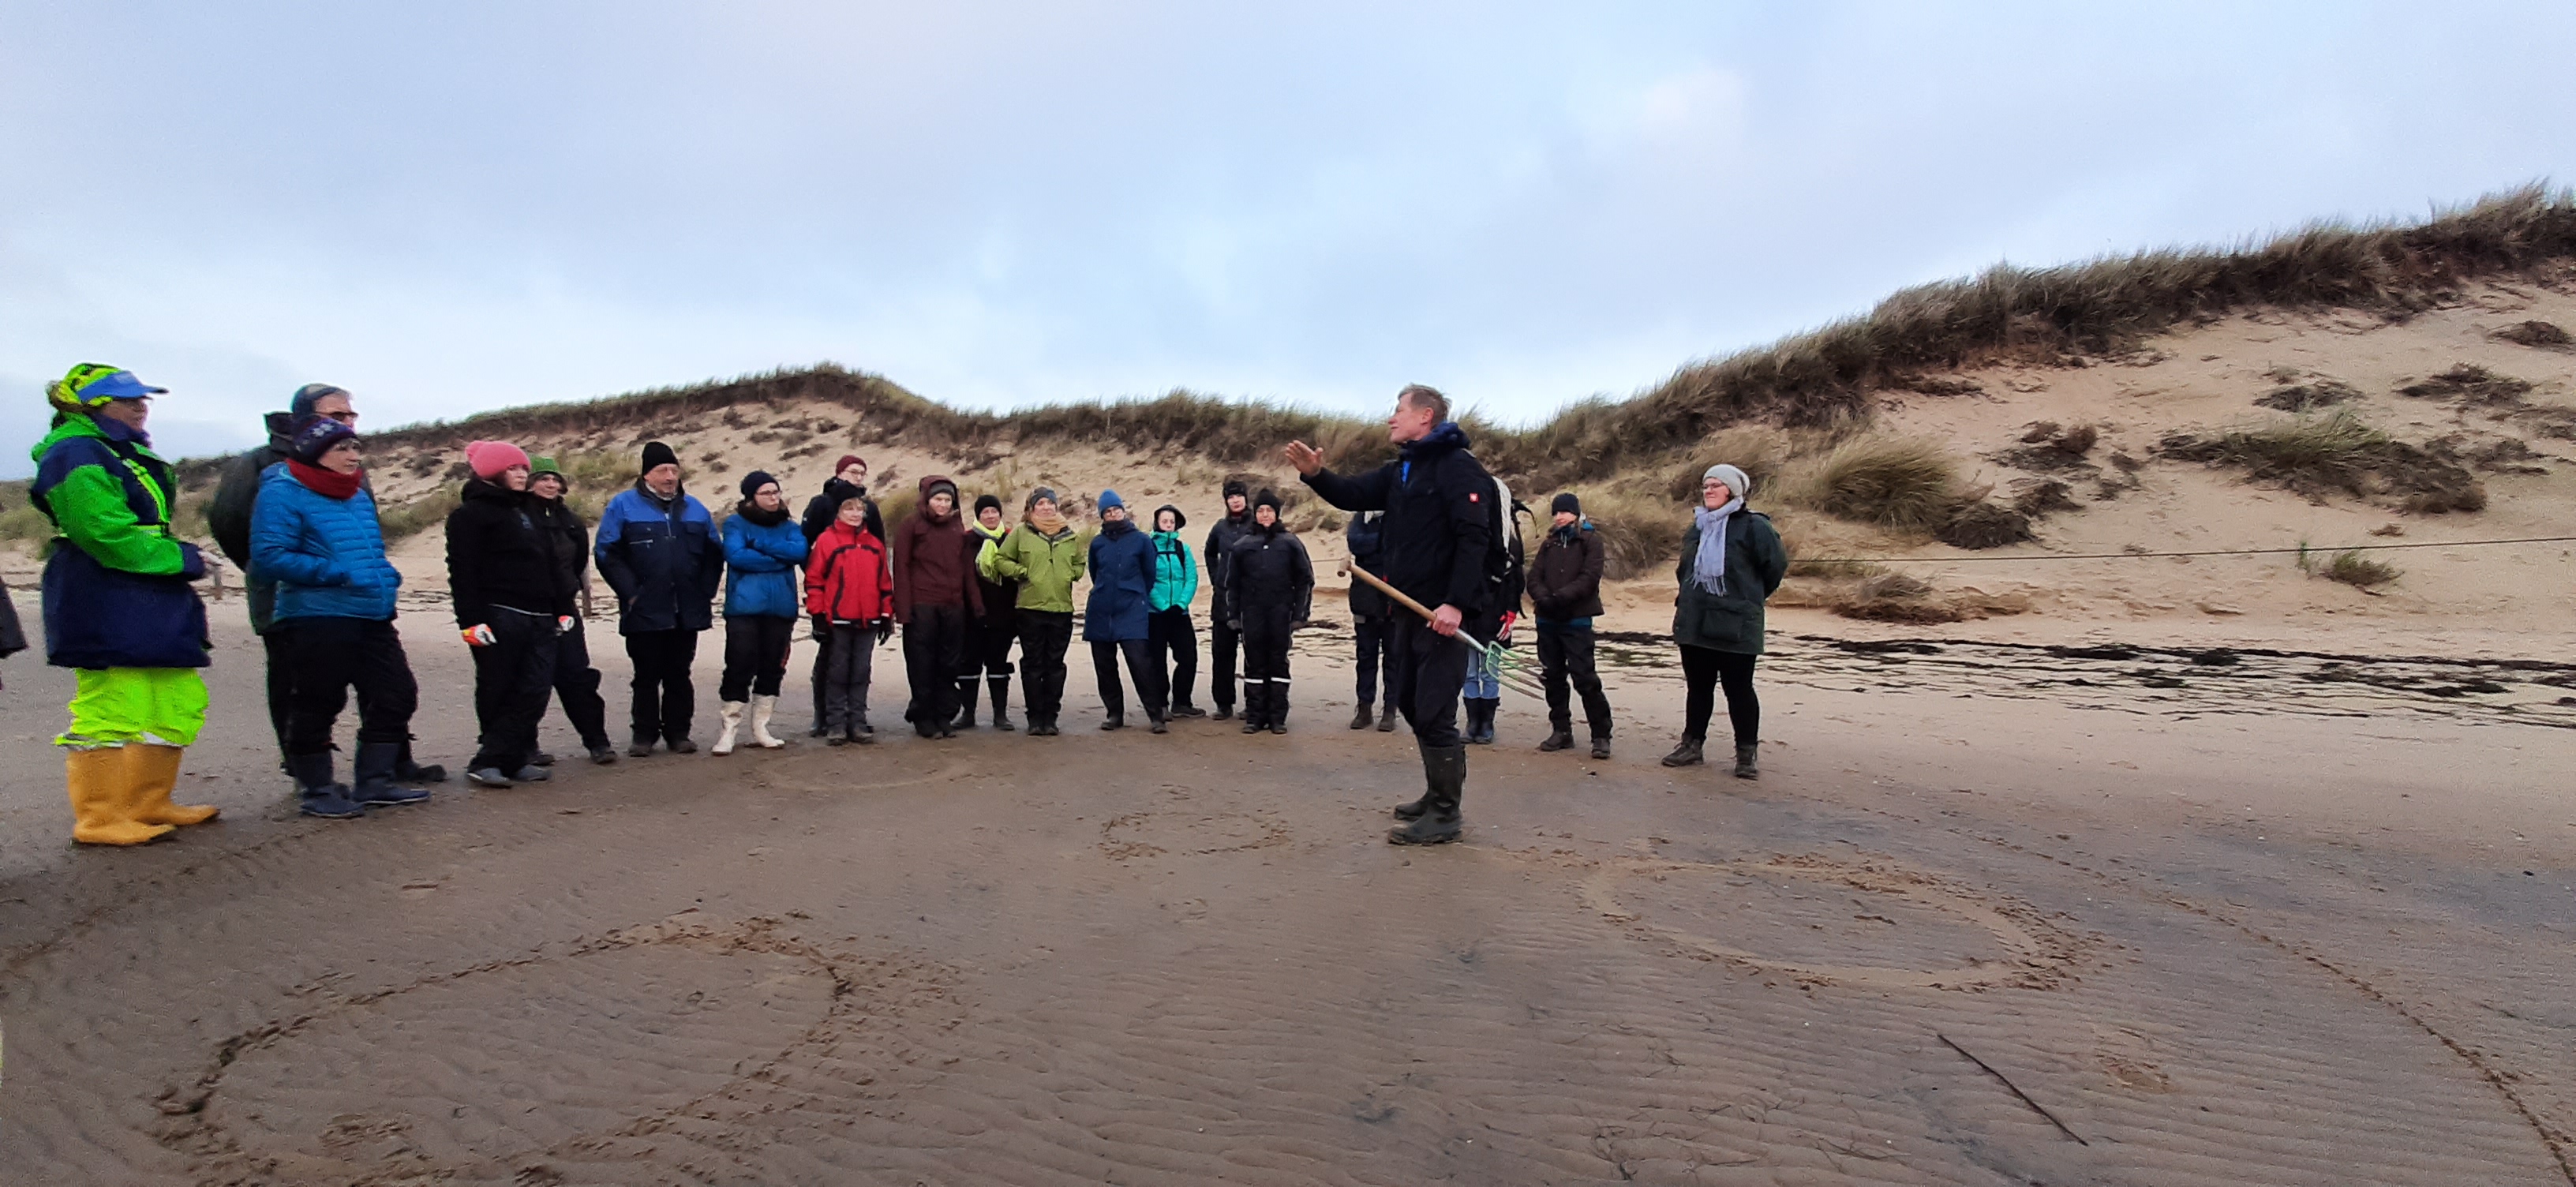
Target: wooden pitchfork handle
1513	680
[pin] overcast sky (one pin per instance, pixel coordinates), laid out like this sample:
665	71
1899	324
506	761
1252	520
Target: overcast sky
456	206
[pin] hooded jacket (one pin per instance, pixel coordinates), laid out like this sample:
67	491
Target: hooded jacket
1364	538
1267	569
760	562
846	578
1122	584
822	509
1176	572
322	557
1044	567
1000	597
1441	518
116	590
931	564
1565	580
499	558
663	558
1731	621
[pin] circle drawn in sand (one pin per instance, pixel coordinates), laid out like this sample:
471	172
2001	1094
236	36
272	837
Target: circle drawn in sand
1184	831
1874	923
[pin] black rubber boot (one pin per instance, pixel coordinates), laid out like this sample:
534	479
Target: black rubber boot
1364	718
317	794
1276	716
1386	720
407	771
1560	738
1747	764
1001	686
965	703
375	786
1444	777
1686	754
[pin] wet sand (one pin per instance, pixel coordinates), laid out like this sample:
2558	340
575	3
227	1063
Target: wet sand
1992	915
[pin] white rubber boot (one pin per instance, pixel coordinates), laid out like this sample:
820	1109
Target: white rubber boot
732	721
761	708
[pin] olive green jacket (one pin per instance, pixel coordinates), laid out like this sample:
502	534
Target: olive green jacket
1044	567
1731	621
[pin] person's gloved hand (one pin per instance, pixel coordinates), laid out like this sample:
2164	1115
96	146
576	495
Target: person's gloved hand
479	635
885	630
564	624
1504	636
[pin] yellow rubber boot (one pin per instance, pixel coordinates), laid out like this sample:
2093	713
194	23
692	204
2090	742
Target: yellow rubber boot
102	791
153	772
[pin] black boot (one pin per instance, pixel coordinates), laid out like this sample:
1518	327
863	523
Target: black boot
1444	778
1364	718
375	777
1561	738
1275	714
1386	719
1686	754
1001	702
1747	765
317	794
407	771
965	703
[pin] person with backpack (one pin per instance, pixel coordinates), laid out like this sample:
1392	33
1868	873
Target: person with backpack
657	548
988	638
1442	548
1223	641
849	477
576	682
935	593
1117	619
1168	627
1042	561
847	580
316	543
1565	594
1372	621
511	607
1273	586
1483	694
762	549
119	609
1731	563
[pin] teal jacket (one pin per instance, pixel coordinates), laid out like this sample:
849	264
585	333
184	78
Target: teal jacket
1176	573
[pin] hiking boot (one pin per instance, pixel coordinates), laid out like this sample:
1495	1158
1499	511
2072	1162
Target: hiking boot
1115	721
1188	711
1161	728
1386	721
642	749
1686	754
603	754
1251	726
531	774
1224	711
838	740
683	746
374	780
1600	746
1561	739
1278	727
541	759
1746	764
488	777
1364	718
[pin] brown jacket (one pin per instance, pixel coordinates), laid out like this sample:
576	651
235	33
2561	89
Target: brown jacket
931	564
1565	579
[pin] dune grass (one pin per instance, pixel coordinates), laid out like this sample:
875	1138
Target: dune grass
2337	453
2348	566
1904	484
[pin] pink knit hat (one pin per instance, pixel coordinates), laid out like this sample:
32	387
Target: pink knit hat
489	458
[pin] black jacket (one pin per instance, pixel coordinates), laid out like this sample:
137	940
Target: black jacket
1441	519
821	509
1221	537
1367	546
1268	570
498	556
1565	580
570	538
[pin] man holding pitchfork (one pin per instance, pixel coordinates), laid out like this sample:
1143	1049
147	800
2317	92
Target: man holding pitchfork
1441	523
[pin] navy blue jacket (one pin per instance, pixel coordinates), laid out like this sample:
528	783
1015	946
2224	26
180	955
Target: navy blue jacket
663	559
116	587
1122	584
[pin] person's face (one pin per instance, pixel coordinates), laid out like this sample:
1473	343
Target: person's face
342	457
1234	504
130	413
1713	494
663	479
546	486
990	517
767	497
942	503
1043	508
856	473
1165	521
1114	515
515	478
1409	422
337	408
854	512
1266	515
1565	519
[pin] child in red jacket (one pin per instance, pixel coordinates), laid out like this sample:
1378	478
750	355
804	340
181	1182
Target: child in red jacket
848	587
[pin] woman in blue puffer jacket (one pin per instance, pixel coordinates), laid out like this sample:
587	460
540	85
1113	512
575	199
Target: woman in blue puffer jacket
763	546
314	533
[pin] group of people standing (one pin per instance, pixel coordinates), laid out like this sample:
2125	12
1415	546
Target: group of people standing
299	516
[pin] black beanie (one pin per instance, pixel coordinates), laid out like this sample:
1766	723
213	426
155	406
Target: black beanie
658	454
983	501
1235	486
752	482
1267	498
314	436
1566	502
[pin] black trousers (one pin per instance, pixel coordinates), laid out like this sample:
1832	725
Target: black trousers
1141	668
1370	635
1044	635
1703	669
330	656
1429	670
755	657
577	688
850	656
1565	657
1222	640
934	652
988	646
822	664
281	684
513	677
664	698
1265	662
1176	650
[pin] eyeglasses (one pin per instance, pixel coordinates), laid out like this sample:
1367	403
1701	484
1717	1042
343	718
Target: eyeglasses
344	416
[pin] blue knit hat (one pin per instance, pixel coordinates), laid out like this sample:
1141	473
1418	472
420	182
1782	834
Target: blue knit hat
1109	499
314	436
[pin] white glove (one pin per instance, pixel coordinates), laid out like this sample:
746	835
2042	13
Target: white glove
479	635
564	624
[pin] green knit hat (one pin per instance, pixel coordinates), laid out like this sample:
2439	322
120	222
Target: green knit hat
547	465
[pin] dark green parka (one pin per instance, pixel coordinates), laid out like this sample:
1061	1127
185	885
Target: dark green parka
1732	621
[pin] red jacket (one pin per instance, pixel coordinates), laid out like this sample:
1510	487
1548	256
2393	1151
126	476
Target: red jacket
846	579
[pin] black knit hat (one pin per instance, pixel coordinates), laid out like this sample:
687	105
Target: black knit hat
1566	502
1267	498
752	482
1043	492
1179	520
983	501
658	454
314	436
1235	486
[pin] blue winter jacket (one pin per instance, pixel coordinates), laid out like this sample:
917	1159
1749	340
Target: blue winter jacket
326	555
760	566
1122	584
116	587
664	559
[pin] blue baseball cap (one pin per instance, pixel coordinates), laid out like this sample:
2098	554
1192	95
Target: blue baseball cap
117	385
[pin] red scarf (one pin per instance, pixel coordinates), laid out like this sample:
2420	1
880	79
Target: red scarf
327	483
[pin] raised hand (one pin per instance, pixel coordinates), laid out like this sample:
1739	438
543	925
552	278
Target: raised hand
1306	458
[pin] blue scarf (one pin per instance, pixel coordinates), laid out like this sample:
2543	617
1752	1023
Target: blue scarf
1709	568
